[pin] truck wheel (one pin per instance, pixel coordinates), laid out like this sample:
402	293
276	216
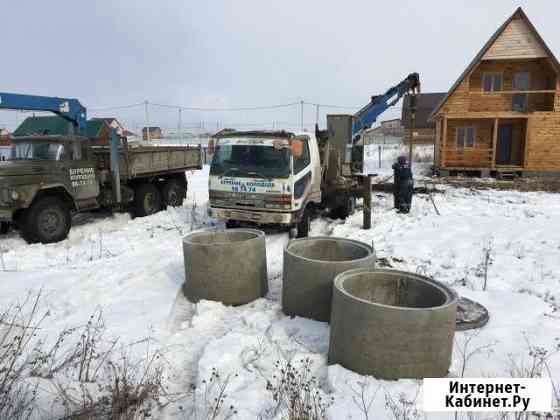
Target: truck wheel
4	228
232	224
304	224
347	209
147	200
48	220
174	193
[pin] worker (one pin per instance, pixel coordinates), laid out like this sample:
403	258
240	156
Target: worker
403	185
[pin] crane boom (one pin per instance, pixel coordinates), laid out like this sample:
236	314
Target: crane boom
366	116
69	109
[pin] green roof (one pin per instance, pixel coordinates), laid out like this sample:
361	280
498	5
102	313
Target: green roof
42	125
54	126
93	127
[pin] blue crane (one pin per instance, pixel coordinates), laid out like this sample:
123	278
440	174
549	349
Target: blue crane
69	109
366	116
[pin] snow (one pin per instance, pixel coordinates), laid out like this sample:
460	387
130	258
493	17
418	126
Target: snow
133	270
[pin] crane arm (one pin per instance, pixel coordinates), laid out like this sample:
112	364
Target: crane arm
70	109
366	116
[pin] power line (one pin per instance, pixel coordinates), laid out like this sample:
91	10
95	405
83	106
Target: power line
248	108
116	108
332	106
224	109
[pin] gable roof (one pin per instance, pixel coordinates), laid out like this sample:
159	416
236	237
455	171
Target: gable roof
50	125
93	128
54	125
128	133
108	120
519	13
425	104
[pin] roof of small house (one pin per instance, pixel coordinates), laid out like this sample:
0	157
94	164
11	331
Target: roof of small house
108	120
54	125
425	104
519	13
128	133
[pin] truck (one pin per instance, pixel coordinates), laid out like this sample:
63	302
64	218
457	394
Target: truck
47	178
283	178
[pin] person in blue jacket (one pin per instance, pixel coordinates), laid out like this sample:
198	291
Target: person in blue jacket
404	185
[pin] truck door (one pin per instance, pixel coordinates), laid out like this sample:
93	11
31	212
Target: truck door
302	170
81	170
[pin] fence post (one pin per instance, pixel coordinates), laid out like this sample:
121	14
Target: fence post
367	200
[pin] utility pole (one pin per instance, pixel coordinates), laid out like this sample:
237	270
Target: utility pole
301	103
147	121
317	115
180	125
366	194
412	106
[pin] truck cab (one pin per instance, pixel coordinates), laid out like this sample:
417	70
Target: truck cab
51	174
265	178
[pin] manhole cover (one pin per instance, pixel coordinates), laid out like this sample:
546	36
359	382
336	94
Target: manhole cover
470	315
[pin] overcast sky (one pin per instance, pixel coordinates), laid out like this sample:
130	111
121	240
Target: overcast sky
243	52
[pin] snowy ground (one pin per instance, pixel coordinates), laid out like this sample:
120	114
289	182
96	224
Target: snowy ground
133	270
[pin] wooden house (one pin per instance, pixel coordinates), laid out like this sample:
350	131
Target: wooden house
502	116
155	133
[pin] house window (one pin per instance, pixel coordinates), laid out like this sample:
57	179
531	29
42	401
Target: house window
465	136
520	101
492	82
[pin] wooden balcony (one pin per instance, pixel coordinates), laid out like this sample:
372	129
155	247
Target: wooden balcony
512	101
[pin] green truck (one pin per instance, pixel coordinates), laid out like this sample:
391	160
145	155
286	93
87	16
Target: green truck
47	179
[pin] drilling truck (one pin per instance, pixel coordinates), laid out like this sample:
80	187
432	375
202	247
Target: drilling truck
282	178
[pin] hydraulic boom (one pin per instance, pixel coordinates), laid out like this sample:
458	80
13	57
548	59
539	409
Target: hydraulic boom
69	109
366	116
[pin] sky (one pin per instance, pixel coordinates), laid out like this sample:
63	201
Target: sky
243	53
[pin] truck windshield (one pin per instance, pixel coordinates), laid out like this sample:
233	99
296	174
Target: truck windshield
37	151
251	161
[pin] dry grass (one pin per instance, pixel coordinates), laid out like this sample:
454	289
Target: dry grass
296	392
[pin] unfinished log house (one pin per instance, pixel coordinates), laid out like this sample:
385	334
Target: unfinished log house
502	116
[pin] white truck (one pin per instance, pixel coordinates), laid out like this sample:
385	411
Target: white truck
281	178
270	178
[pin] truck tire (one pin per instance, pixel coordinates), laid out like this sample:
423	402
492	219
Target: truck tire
147	200
4	228
174	192
304	224
348	208
48	220
232	224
